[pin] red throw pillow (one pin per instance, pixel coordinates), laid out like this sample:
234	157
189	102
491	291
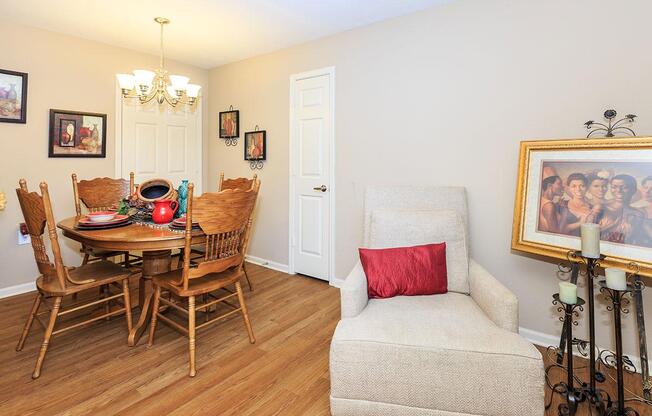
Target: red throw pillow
407	271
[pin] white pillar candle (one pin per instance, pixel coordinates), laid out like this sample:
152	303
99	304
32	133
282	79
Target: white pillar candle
568	293
616	278
590	240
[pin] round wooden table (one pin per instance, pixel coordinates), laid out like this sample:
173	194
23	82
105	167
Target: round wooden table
156	245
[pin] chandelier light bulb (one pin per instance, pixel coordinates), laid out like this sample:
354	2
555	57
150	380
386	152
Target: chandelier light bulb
179	82
126	81
174	93
144	77
192	90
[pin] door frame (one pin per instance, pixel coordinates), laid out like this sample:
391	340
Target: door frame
294	78
118	139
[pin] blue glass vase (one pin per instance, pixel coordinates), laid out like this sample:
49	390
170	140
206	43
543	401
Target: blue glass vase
183	198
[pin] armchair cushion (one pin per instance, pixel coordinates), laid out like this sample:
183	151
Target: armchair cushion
400	228
434	353
408	271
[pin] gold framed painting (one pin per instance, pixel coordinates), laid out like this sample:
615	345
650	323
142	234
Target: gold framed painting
565	183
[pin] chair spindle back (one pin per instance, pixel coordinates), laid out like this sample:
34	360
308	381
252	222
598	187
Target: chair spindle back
101	194
37	212
225	218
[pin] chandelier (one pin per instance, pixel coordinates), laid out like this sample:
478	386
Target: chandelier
158	85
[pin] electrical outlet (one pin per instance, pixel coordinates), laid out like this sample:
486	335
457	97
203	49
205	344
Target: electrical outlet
23	238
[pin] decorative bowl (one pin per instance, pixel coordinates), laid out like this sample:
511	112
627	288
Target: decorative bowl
156	190
101	216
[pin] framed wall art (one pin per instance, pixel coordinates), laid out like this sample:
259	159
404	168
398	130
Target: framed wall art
255	147
13	96
565	183
229	124
77	134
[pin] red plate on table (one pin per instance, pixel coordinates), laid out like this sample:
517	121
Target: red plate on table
118	219
182	221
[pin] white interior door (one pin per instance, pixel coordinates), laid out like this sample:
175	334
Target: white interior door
311	190
161	142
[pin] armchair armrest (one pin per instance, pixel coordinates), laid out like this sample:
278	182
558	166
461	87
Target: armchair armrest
353	292
495	300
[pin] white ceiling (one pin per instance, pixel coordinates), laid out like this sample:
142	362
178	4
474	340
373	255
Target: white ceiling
206	33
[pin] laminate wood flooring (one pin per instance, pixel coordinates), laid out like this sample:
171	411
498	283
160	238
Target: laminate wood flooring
92	371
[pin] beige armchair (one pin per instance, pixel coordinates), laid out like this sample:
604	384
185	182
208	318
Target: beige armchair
453	354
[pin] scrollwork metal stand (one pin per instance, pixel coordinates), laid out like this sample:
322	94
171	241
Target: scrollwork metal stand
598	398
576	258
612	126
640	323
567	389
255	164
618	305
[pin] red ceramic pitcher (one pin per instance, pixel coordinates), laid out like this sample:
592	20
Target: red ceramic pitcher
164	211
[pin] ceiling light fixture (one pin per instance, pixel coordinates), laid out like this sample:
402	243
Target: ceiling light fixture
158	85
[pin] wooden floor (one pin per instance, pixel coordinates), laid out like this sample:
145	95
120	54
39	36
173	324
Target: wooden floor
93	371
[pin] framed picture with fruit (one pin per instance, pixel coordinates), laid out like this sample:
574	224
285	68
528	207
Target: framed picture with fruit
77	134
13	96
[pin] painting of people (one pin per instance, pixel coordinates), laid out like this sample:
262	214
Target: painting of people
611	194
564	184
76	134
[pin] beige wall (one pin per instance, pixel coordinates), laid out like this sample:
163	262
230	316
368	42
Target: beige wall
443	97
64	73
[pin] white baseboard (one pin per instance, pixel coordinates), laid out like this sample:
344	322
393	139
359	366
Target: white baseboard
5	292
267	263
547	340
337	282
283	268
539	338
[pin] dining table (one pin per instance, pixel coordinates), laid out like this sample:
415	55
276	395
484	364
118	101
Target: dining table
156	242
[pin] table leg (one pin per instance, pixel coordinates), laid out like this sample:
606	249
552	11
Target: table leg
154	262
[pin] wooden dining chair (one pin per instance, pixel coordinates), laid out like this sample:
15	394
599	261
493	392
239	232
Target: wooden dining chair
57	281
101	194
224	184
240	183
225	218
235	183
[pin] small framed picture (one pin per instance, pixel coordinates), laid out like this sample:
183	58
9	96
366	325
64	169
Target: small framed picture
67	129
255	146
77	134
13	97
229	124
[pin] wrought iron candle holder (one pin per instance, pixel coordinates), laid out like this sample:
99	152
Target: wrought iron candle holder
573	396
592	264
640	323
619	303
599	399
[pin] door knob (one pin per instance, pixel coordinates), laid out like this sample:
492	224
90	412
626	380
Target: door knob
322	188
